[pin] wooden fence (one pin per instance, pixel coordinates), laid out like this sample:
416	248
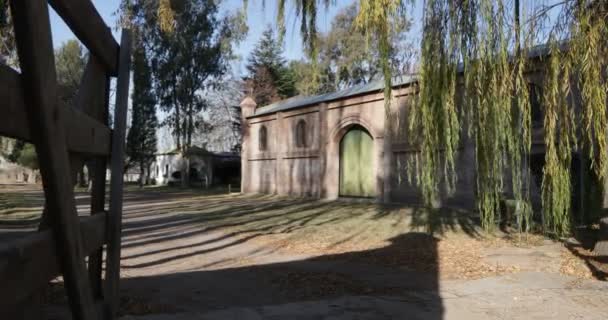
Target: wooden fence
65	137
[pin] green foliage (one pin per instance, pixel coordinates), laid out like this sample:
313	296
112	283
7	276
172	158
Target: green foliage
188	46
478	35
307	10
559	139
345	58
377	19
461	39
482	47
141	139
309	81
70	61
23	154
269	77
15	153
434	115
588	53
579	67
28	157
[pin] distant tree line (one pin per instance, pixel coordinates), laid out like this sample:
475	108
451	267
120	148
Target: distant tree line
344	59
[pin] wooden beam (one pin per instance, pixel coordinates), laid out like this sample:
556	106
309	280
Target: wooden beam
92	98
86	134
37	61
88	26
29	263
116	182
95	85
98	192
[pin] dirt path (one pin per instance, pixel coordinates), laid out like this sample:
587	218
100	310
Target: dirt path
270	258
192	256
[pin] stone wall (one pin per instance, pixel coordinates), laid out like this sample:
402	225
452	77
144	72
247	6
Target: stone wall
285	169
13	173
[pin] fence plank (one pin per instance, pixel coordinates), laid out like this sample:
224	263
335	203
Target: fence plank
86	134
36	57
95	86
29	263
116	179
93	92
88	26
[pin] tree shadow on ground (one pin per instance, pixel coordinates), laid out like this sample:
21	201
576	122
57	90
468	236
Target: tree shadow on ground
171	232
163	232
399	280
586	238
597	264
437	221
223	227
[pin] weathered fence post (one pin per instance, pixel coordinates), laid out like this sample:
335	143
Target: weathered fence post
36	58
117	177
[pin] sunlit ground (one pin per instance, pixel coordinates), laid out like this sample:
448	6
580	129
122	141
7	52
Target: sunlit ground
192	249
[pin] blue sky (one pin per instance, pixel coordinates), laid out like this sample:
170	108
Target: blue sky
258	18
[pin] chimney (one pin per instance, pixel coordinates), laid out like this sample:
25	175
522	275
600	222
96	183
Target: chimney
248	107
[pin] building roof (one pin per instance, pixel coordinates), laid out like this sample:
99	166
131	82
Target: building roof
302	101
198	151
376	85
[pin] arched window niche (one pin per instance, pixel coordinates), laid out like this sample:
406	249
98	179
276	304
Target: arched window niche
300	134
263	139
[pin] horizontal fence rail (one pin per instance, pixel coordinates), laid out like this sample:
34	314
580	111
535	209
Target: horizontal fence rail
86	135
86	23
29	263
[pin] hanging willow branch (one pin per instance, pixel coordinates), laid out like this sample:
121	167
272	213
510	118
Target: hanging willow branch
377	18
495	103
589	53
434	119
559	139
468	56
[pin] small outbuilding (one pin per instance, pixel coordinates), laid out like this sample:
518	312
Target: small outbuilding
204	168
348	144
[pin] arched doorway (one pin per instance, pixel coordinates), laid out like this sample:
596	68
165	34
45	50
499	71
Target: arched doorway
356	163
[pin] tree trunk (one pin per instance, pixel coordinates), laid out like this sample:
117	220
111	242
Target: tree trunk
178	132
186	172
82	181
141	174
189	126
148	180
601	246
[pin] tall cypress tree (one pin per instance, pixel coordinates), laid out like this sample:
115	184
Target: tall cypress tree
269	77
141	140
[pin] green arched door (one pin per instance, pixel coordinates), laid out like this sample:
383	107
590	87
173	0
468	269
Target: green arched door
356	164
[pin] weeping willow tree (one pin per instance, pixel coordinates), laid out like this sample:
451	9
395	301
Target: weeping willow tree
475	41
472	78
482	46
468	44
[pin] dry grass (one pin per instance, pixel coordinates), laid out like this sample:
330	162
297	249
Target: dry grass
573	265
452	256
370	233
